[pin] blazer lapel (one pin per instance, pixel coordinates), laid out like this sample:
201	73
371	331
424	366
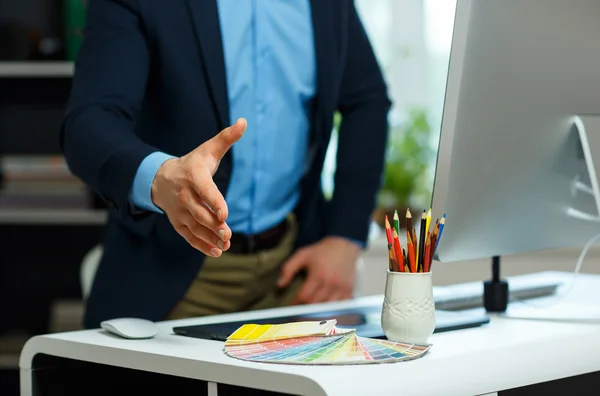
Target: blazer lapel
205	18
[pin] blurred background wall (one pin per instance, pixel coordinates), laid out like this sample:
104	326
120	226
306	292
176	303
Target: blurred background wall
48	220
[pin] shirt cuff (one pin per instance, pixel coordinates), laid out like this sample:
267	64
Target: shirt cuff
140	194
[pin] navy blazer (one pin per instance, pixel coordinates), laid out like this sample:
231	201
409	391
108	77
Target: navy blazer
151	76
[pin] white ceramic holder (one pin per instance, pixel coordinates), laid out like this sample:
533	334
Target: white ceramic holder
408	313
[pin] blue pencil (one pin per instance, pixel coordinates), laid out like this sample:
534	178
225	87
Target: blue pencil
442	223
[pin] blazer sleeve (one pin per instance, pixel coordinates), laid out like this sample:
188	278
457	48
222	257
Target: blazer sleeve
97	135
363	103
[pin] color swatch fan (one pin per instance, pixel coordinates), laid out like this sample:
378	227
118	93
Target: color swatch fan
315	343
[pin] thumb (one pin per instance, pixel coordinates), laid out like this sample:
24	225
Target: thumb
222	142
291	268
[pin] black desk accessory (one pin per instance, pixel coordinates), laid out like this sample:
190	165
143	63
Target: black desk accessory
495	291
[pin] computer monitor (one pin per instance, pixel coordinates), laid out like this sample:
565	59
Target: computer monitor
515	169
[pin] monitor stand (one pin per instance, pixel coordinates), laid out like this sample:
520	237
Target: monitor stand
495	290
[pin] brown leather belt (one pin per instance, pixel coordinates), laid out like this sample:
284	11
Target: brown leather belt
269	239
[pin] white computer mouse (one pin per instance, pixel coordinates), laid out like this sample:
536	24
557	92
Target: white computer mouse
131	328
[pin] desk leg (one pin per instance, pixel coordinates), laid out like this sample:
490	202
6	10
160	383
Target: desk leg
213	389
26	379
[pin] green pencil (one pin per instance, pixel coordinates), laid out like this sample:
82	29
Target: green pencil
396	222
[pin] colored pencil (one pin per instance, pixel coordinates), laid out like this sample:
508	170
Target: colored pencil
392	263
426	262
442	224
421	242
398	252
409	224
406	265
388	232
434	236
418	253
396	222
411	253
415	244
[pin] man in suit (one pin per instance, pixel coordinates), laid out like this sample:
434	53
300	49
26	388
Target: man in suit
204	124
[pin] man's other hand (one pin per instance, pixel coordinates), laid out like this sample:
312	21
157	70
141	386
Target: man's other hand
184	189
330	265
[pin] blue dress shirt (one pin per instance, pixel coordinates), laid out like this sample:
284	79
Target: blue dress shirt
271	78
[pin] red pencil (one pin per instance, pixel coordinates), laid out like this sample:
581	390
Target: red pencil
398	251
388	232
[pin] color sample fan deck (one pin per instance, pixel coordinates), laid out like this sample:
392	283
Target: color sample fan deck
315	343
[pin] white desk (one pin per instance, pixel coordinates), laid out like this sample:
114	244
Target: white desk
506	354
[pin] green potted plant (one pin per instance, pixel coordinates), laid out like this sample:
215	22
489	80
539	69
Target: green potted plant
409	156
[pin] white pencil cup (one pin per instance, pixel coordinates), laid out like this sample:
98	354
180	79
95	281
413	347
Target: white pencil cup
408	313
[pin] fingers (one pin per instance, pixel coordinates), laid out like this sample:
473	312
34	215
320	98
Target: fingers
212	151
210	198
221	143
206	234
323	287
198	243
202	214
313	291
341	295
291	268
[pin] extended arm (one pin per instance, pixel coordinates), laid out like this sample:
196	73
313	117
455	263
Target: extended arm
98	137
364	104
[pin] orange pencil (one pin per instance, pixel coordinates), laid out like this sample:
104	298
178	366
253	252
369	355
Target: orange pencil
426	262
415	242
411	253
398	251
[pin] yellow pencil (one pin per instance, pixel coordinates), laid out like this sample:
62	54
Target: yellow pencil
428	223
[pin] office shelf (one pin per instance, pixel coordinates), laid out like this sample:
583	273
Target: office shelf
23	217
36	69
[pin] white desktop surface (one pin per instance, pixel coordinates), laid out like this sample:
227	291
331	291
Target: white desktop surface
506	354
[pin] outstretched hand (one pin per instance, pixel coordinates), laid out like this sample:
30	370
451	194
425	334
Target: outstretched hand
330	265
184	189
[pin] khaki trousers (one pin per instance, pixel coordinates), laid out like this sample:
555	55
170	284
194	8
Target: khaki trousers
234	283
